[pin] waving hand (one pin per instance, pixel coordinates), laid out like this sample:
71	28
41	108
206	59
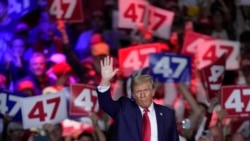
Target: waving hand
107	71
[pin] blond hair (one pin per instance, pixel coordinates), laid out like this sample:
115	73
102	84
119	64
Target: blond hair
140	79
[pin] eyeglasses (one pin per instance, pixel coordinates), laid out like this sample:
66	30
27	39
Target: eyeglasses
145	91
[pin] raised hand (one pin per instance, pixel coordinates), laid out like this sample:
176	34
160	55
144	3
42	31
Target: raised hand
107	71
61	26
62	29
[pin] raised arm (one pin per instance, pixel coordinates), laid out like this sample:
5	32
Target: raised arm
186	93
106	103
196	111
72	59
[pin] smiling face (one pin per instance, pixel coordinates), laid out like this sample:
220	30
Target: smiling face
38	64
143	91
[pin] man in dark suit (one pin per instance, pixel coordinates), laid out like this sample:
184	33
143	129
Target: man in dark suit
141	119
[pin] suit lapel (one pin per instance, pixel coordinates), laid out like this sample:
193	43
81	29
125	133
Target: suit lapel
159	118
138	121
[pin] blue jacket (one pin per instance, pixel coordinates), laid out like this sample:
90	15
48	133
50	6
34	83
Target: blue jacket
128	118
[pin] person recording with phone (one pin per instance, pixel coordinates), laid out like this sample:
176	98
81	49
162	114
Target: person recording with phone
139	119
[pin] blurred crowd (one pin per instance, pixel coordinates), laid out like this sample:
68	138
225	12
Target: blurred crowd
38	53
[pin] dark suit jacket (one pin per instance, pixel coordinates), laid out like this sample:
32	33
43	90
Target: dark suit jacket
128	118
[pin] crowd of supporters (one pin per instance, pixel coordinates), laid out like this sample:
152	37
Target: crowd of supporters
37	53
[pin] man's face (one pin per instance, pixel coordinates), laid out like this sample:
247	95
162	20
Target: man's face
143	94
38	65
245	67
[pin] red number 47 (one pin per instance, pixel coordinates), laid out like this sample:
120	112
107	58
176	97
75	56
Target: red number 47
131	14
38	110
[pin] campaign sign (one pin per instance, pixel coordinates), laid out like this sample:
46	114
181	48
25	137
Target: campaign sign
140	12
134	58
10	104
212	77
191	42
235	100
38	110
241	126
83	100
210	51
168	67
18	8
67	10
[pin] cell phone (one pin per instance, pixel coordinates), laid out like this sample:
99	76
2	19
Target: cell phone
186	124
206	133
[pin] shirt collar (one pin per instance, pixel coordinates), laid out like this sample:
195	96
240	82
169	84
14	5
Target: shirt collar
150	108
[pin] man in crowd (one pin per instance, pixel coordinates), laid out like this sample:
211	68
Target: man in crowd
139	120
38	74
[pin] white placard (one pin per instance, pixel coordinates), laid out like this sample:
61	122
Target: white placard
210	51
132	14
38	110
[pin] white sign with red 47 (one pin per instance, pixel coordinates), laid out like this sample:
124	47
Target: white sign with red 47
236	100
38	110
133	13
210	51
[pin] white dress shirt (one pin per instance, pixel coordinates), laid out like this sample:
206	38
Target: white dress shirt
153	122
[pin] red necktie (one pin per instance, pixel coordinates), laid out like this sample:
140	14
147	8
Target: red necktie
146	129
